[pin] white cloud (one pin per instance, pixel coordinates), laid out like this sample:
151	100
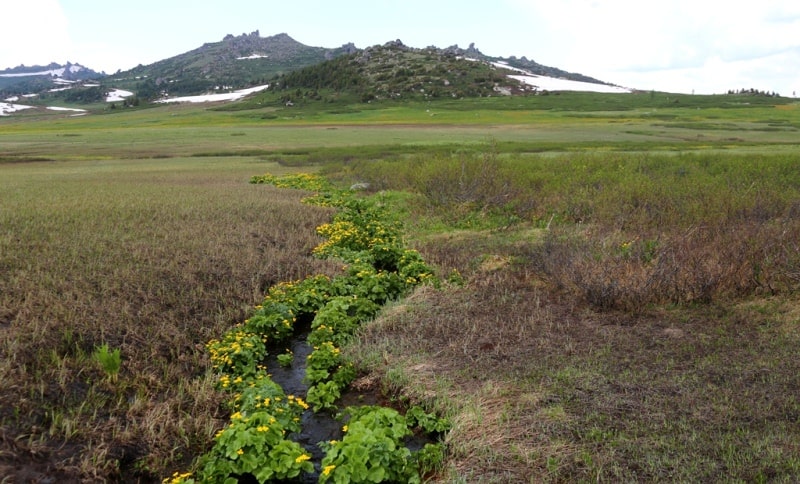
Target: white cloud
705	44
33	32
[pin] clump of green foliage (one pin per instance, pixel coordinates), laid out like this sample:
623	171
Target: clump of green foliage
372	449
110	360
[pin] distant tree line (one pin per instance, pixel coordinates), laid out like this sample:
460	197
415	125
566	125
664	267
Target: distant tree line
753	92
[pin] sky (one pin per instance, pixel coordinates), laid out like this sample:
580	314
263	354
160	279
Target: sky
700	46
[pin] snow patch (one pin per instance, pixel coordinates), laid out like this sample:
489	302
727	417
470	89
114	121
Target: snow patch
253	56
56	108
50	72
554	84
546	83
9	108
117	95
206	98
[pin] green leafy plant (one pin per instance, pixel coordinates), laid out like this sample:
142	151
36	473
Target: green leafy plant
285	359
324	395
371	450
110	360
321	361
237	353
255	441
254	444
430	423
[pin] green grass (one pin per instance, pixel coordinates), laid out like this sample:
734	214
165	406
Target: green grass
630	275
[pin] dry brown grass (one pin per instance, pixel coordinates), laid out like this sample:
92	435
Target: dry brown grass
737	258
543	387
152	260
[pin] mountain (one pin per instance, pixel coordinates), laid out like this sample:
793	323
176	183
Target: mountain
396	71
294	70
33	79
232	63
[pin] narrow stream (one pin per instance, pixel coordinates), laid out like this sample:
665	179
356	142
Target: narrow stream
321	426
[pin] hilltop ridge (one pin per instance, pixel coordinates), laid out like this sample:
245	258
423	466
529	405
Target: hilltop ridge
396	71
232	63
25	79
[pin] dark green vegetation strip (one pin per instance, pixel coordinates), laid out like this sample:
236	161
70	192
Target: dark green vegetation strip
257	442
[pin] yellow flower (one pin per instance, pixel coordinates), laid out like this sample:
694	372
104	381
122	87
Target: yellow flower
328	469
240	451
344	429
262	428
302	458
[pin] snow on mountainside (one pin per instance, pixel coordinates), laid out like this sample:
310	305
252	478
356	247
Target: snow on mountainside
204	98
546	83
68	71
59	72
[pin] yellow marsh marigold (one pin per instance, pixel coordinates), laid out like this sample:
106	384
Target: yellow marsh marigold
177	478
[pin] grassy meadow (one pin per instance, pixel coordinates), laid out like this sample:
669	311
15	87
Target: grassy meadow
623	270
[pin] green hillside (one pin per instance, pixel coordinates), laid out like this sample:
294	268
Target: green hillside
234	62
395	71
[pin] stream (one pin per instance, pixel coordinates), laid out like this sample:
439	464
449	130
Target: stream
320	426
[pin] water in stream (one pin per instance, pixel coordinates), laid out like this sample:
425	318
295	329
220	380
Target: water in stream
321	426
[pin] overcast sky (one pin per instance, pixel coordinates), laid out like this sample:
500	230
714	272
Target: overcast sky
677	45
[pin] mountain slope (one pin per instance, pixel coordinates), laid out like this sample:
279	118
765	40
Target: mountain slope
234	62
522	63
396	71
33	79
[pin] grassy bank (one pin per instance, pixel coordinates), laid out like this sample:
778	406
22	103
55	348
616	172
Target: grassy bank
623	317
149	258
